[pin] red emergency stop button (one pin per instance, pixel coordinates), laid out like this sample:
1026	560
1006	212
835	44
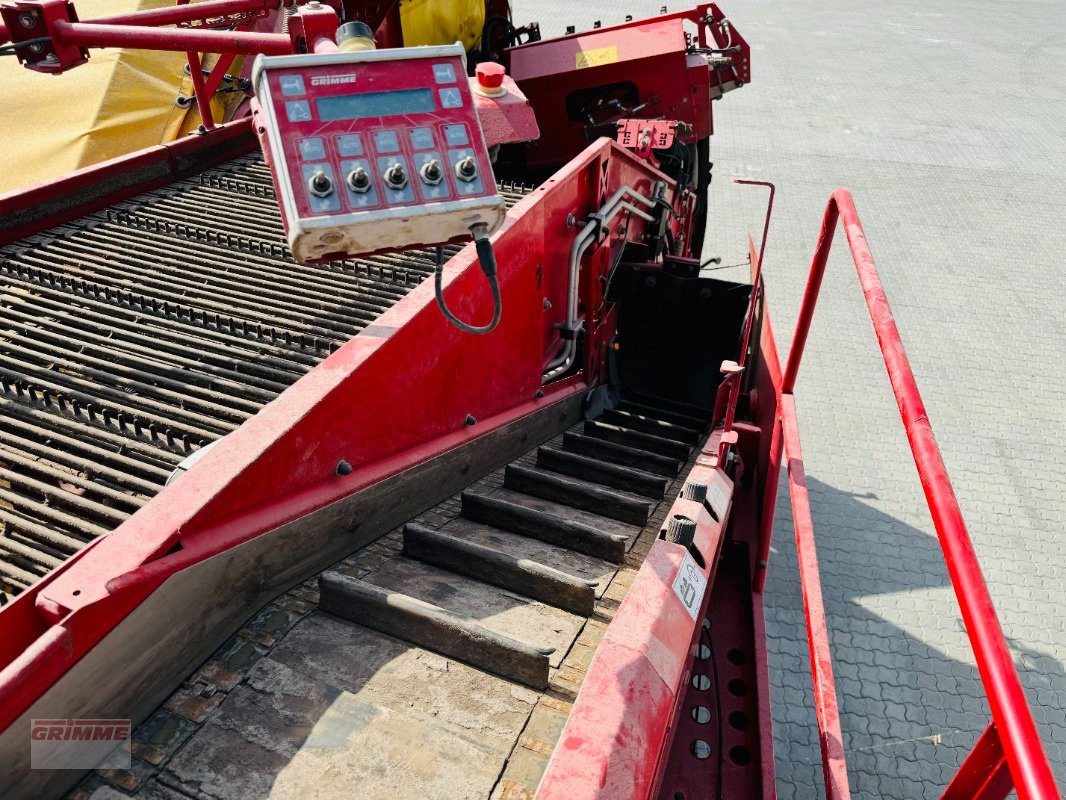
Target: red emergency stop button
490	78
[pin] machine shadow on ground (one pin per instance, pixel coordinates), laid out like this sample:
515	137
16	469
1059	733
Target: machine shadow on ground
911	708
329	705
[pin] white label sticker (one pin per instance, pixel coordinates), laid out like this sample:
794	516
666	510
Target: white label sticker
718	497
690	585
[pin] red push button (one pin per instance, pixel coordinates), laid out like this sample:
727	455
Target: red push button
490	78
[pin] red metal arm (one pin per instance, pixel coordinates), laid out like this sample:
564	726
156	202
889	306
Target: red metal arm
213	26
1011	716
90	34
202	13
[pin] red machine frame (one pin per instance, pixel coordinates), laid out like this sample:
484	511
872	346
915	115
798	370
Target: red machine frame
601	57
264	476
51	626
53	40
604	749
48	37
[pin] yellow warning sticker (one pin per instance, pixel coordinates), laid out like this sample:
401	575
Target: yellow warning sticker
596	58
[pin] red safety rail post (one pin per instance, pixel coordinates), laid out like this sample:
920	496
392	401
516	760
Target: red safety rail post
984	774
834	768
1012	721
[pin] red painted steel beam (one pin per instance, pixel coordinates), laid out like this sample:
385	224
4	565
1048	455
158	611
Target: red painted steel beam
89	34
195	12
203	99
1010	711
984	775
616	743
834	768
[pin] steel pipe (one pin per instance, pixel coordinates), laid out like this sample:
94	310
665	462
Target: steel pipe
173	15
88	34
562	362
1011	716
831	742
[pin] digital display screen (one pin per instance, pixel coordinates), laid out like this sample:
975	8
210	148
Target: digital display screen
375	104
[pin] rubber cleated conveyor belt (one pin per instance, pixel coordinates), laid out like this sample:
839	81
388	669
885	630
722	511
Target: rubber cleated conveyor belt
443	659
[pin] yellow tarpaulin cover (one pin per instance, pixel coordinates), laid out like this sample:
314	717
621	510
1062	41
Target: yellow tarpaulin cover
441	21
122	100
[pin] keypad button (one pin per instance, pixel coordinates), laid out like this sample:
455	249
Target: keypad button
444	73
386	142
292	85
421	138
450	98
313	149
298	111
351	144
455	135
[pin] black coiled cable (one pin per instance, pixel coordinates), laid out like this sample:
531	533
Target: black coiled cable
487	259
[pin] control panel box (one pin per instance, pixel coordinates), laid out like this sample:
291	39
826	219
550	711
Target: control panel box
374	150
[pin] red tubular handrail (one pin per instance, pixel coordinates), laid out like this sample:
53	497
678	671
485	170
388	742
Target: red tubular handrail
1029	768
834	768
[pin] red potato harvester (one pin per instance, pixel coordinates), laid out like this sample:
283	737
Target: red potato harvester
285	517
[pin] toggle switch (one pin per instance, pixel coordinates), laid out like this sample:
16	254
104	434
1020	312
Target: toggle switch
396	176
466	169
431	172
358	180
320	185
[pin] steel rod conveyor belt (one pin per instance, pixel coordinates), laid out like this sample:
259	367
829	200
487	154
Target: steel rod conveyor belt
134	336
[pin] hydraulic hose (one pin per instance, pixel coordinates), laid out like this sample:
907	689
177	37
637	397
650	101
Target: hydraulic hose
487	259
